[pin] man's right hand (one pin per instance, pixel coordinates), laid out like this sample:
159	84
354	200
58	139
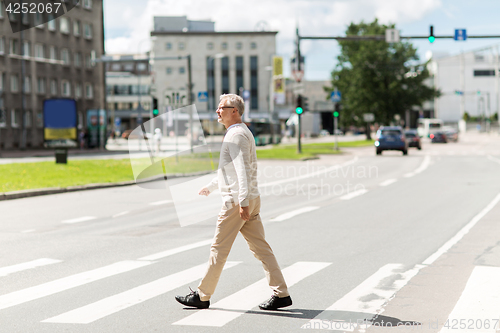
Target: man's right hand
204	191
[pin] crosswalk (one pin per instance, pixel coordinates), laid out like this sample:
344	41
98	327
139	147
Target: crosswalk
351	312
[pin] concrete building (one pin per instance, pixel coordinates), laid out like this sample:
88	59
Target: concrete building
56	57
469	82
221	62
128	85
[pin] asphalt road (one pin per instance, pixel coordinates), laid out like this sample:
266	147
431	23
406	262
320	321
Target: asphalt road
358	236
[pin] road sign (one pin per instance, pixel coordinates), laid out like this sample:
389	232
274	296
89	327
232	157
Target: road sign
460	34
246	95
335	96
118	122
368	117
392	36
203	96
298	75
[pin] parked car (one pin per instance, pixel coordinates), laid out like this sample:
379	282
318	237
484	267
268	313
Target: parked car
391	138
451	134
413	139
439	137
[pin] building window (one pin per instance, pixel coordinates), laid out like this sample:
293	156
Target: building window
2	43
25	18
53	87
76	28
38	20
478	58
116	67
1	9
41	86
181	45
78	59
141	67
2	83
27	84
88	61
239	45
26	49
39	51
14	83
39	119
210	46
225	75
484	72
13	16
64	25
14	46
211	83
28	119
78	90
239	73
52	53
169	70
3	117
168	46
51	23
87	30
224	46
254	83
129	67
253	45
65	56
89	92
87	4
182	70
65	88
14	118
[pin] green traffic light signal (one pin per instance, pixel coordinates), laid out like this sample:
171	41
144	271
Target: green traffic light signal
432	39
155	112
431	34
299	110
335	114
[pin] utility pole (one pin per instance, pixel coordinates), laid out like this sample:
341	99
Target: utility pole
190	101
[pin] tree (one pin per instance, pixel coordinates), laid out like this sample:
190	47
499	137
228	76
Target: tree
378	77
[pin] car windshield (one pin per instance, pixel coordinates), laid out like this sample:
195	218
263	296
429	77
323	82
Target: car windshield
391	132
410	135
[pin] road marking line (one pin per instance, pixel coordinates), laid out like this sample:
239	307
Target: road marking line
4	271
425	164
354	194
312	174
480	301
293	213
388	182
462	232
121	214
246	299
369	297
109	305
28	231
410	174
163	202
491	158
80	219
179	249
53	287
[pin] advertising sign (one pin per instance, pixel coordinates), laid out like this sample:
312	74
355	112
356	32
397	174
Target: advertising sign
60	122
96	125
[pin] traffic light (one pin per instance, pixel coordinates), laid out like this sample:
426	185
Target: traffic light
155	107
336	113
299	109
305	103
431	34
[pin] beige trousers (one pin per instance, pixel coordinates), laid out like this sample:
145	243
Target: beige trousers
228	224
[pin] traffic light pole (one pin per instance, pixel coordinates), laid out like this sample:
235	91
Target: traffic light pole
299	134
335	132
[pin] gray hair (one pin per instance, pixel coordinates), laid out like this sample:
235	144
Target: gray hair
235	101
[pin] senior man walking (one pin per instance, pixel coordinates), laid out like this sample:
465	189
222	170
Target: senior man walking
237	182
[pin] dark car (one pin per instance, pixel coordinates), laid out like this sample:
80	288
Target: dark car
391	138
451	134
438	137
413	139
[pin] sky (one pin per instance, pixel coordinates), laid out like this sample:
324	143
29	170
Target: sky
129	22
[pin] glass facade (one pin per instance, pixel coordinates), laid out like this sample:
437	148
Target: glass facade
239	74
211	83
225	75
254	83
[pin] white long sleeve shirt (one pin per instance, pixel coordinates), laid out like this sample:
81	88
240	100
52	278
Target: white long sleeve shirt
237	173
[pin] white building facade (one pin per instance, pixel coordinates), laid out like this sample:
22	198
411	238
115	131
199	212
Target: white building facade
469	82
221	63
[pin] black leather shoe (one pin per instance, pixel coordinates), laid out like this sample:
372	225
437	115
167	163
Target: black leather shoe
276	302
193	299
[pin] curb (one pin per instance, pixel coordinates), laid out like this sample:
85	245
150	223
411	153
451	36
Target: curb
55	190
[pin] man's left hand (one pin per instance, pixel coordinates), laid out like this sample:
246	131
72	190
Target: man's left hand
244	213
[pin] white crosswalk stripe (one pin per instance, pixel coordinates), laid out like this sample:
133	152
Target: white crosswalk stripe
367	299
107	306
248	298
4	271
479	304
293	213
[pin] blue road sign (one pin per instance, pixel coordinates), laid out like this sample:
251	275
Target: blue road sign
460	34
118	121
203	96
246	95
335	96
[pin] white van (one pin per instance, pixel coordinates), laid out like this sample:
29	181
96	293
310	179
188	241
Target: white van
426	126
